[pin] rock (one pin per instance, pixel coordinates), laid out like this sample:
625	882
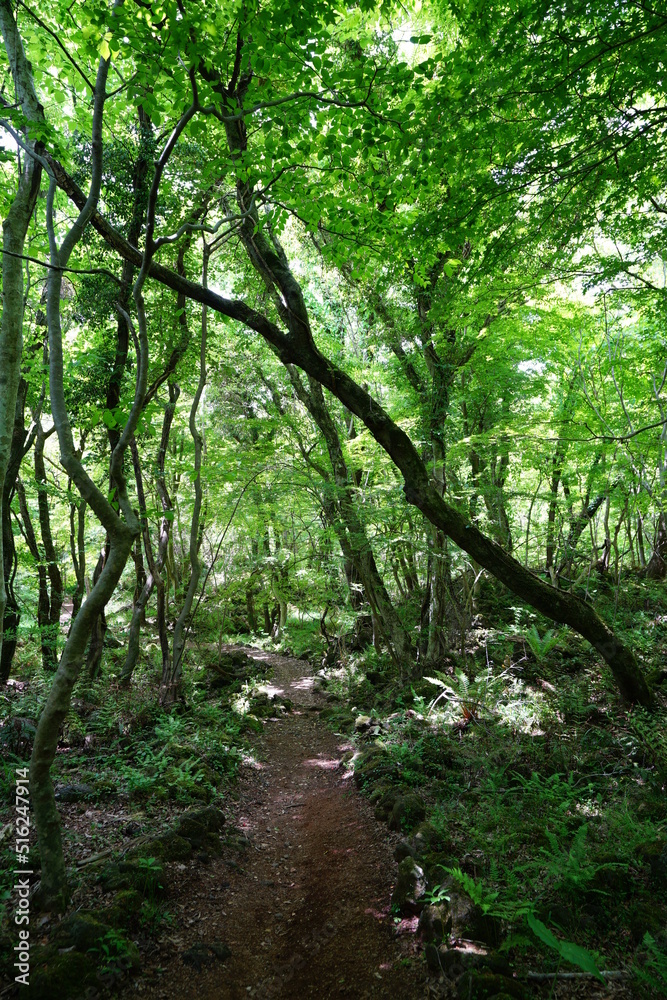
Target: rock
362	723
237	840
373	764
206	954
432	955
454	962
59	976
408	894
483	985
125	906
195	823
145	878
83	930
169	847
220	678
212	844
408	810
73	793
403	849
471	923
424	840
434	923
385	802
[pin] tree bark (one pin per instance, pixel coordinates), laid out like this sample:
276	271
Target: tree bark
657	564
14	230
349	528
21	443
52	634
155	562
171	683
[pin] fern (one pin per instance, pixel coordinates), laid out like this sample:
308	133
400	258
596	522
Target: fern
473	696
541	647
650	735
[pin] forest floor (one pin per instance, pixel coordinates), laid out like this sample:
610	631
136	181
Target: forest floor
307	912
516	795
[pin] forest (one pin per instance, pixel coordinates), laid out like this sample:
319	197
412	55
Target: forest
333	468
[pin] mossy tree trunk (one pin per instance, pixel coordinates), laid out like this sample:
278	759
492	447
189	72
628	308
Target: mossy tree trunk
14	231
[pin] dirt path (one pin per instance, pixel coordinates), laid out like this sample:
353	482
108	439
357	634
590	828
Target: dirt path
305	910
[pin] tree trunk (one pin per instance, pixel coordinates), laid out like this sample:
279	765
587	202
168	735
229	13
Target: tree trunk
14	230
21	444
77	545
155	563
436	646
52	567
114	385
171	682
99	628
351	532
657	565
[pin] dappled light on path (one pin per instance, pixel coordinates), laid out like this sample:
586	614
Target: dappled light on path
305	905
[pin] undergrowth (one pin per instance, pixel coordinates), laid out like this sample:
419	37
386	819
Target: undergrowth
547	795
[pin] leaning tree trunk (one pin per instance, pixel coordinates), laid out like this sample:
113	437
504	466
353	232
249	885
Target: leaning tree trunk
297	346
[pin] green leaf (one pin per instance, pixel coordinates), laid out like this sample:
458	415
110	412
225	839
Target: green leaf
568	950
571	952
542	932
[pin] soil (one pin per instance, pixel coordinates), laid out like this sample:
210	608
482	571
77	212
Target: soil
305	909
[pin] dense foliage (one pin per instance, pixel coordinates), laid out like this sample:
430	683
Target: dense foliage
340	329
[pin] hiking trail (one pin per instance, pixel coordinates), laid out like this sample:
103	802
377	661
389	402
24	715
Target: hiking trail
305	909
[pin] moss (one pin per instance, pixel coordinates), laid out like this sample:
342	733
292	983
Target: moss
124	908
407	811
59	976
196	822
83	930
169	847
146	879
372	765
386	801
